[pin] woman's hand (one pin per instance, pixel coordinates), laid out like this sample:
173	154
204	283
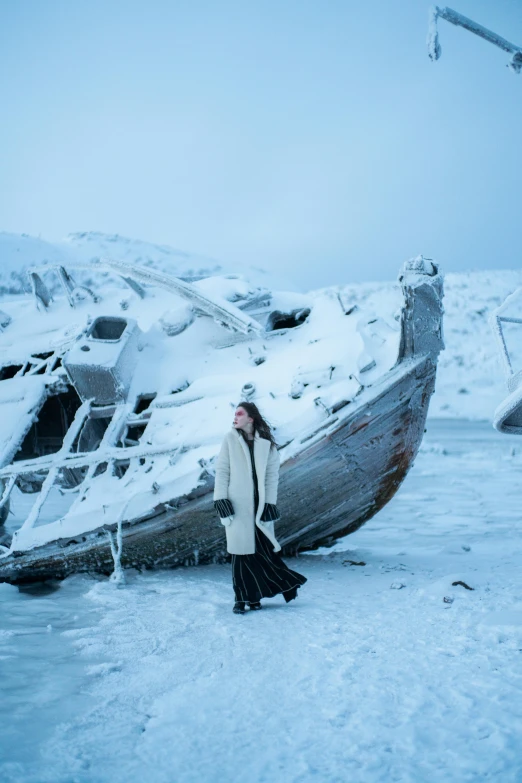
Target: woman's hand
226	521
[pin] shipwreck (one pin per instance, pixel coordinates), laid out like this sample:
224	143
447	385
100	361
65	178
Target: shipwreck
114	400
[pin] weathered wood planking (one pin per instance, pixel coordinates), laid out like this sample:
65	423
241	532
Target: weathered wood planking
328	490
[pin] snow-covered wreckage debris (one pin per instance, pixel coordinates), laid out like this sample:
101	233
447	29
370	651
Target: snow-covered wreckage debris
507	325
459	20
114	403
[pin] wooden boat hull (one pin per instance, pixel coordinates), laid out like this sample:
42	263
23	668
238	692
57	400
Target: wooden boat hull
328	490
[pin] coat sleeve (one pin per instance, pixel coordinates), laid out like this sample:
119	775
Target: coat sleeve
222	478
270	513
224	508
272	476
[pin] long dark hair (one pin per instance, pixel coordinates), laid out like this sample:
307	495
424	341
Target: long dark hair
260	424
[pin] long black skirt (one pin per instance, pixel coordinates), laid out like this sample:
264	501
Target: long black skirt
263	574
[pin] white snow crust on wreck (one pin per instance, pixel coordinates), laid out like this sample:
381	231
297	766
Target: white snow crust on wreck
507	325
113	406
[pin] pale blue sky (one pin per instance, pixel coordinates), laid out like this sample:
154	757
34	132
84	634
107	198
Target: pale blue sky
314	137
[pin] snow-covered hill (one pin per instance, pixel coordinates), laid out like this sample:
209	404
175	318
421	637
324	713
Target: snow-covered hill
470	381
20	251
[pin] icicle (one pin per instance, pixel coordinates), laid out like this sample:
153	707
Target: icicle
117	576
434	50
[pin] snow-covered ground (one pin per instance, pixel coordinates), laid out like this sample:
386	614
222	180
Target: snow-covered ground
370	676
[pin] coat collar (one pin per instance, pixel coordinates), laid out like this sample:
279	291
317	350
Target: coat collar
259	445
257	437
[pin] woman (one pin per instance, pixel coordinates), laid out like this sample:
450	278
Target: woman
245	495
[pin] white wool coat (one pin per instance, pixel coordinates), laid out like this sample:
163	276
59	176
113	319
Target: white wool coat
234	481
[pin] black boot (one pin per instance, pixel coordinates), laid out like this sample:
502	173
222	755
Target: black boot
239	607
254	605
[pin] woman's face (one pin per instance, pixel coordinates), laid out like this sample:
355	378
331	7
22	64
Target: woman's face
241	419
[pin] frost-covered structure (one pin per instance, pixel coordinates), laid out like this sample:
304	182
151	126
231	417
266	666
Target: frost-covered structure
459	20
507	324
114	403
